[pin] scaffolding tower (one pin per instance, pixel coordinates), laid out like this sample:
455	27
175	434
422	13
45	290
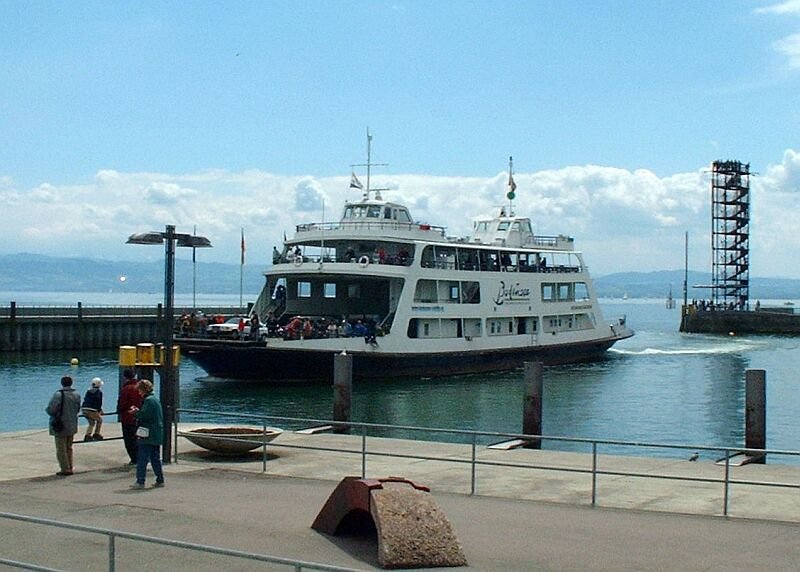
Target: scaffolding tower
730	234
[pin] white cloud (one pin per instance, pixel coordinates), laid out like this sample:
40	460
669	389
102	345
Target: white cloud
789	47
623	220
788	7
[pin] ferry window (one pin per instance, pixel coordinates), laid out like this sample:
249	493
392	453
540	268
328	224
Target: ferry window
472	328
470	293
387	213
304	289
502	226
581	291
374	211
467	259
548	292
401	215
330	290
426	329
425	291
565	292
445	257
525	226
427	257
354	290
454	294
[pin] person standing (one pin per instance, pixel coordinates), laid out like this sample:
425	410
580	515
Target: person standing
92	409
129	397
63	411
150	435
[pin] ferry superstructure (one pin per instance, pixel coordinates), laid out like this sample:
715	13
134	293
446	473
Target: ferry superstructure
405	299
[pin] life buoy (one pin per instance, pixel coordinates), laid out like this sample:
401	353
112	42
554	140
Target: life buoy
298	260
363	262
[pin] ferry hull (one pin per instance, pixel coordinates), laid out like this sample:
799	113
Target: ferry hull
255	362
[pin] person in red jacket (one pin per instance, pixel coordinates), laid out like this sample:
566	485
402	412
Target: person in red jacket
129	396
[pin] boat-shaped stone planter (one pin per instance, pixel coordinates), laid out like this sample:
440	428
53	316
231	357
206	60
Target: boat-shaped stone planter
230	440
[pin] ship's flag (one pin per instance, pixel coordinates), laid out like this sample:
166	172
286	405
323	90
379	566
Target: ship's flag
511	184
243	249
354	182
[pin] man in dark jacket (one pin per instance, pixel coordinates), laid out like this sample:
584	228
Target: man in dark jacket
129	397
63	410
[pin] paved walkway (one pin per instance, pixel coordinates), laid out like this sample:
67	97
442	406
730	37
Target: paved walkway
530	519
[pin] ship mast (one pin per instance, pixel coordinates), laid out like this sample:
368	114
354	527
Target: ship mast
369	164
512	187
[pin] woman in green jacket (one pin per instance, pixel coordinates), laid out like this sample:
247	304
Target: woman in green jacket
150	435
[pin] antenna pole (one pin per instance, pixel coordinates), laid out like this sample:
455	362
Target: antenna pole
685	269
369	161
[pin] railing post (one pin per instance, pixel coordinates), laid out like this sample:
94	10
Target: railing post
594	473
474	459
727	483
363	451
112	553
264	448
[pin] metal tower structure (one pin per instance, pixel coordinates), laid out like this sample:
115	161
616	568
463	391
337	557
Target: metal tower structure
730	234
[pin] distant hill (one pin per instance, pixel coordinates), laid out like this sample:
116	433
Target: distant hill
38	273
657	285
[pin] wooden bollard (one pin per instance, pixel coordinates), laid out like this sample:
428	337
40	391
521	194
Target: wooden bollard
342	390
755	411
532	405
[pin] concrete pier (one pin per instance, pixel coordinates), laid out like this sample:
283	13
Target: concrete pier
523	519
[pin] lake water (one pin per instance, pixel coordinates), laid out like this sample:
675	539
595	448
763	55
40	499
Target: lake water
659	386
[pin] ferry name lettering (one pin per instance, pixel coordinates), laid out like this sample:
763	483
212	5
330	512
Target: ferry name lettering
511	293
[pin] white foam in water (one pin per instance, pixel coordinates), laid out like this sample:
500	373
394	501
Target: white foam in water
719	348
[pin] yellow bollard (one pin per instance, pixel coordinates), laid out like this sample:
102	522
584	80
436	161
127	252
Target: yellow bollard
127	356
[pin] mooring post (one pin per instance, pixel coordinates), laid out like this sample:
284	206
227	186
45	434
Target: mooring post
12	334
342	390
532	406
755	411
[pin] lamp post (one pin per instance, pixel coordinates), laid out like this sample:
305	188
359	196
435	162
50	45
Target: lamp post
167	389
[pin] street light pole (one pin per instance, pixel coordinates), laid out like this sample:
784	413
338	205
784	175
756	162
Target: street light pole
168	392
168	389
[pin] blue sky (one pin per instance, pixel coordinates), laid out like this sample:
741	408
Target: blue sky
121	117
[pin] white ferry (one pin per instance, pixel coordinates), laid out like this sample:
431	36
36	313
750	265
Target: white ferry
405	299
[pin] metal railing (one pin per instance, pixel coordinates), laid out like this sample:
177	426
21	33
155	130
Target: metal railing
113	535
471	438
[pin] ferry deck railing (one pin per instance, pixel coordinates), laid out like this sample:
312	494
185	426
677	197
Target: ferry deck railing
471	438
112	536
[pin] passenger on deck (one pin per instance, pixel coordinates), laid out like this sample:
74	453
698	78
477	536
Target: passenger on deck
272	324
359	330
402	255
255	326
293	328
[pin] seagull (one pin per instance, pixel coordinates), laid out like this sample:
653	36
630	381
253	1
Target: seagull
694	457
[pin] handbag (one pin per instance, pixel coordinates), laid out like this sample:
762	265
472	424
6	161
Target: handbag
58	423
142	432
